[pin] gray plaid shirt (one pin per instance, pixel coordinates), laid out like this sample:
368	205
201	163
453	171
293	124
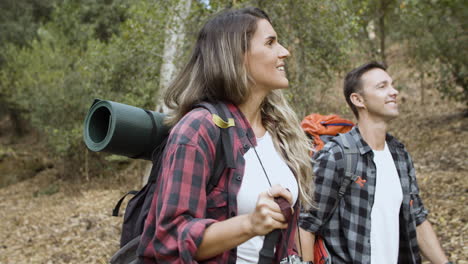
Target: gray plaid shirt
347	234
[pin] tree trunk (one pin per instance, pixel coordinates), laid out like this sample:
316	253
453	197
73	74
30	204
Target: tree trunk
370	37
174	37
382	14
421	77
17	122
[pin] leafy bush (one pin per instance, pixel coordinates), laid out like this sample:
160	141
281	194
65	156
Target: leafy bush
54	81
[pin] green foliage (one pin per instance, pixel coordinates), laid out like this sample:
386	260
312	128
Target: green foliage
377	22
83	20
59	55
435	35
56	79
20	19
319	36
43	82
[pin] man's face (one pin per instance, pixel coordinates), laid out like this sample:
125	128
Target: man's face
379	95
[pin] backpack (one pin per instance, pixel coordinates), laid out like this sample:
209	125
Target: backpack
322	128
332	128
138	207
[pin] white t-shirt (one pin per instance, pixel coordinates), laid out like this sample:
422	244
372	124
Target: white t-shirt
386	210
255	182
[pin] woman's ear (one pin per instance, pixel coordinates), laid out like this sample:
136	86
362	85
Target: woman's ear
357	100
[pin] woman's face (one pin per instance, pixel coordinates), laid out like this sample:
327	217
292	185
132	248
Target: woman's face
265	59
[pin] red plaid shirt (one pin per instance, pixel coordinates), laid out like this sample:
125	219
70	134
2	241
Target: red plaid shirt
181	209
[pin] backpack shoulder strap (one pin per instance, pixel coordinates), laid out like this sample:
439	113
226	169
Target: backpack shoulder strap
351	153
224	155
350	159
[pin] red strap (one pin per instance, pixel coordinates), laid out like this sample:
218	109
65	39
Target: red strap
285	208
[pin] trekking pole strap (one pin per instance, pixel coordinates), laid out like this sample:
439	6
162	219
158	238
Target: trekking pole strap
267	253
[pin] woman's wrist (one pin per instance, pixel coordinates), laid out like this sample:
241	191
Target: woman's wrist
247	228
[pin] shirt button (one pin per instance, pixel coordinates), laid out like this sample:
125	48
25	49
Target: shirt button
246	146
239	178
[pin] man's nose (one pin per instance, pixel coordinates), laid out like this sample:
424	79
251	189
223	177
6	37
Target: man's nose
394	91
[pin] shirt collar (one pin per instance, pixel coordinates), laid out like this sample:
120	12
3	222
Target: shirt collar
242	124
362	145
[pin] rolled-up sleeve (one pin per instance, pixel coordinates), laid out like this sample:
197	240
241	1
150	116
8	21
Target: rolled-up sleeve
182	201
326	188
418	210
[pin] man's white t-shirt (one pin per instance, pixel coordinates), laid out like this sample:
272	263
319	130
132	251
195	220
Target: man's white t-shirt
385	231
254	182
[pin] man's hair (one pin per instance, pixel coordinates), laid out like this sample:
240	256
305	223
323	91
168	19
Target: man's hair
353	82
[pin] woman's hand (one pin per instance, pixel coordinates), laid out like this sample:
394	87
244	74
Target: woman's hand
224	235
267	215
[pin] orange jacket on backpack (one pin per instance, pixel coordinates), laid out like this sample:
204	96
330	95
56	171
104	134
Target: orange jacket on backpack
317	125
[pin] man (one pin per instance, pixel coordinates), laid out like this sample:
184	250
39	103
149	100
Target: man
381	218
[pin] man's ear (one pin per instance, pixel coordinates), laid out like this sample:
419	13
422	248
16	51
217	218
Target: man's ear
357	100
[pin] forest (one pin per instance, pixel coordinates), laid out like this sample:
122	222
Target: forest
57	56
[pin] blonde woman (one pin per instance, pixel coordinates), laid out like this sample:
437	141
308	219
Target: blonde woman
237	62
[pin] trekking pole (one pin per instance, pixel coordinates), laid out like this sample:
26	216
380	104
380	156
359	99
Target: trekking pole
267	253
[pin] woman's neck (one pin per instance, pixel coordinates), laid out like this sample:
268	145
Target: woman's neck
252	111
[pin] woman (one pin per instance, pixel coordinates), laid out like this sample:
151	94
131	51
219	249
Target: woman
237	61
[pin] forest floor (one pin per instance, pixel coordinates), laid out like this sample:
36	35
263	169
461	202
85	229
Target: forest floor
45	219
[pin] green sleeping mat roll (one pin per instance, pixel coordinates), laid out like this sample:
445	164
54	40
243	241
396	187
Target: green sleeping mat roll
123	129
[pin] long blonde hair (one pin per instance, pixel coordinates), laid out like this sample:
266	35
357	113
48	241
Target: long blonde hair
216	71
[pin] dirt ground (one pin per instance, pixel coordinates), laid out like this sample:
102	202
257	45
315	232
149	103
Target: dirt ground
48	220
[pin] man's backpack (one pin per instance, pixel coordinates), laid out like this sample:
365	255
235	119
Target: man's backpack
321	128
138	207
332	128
